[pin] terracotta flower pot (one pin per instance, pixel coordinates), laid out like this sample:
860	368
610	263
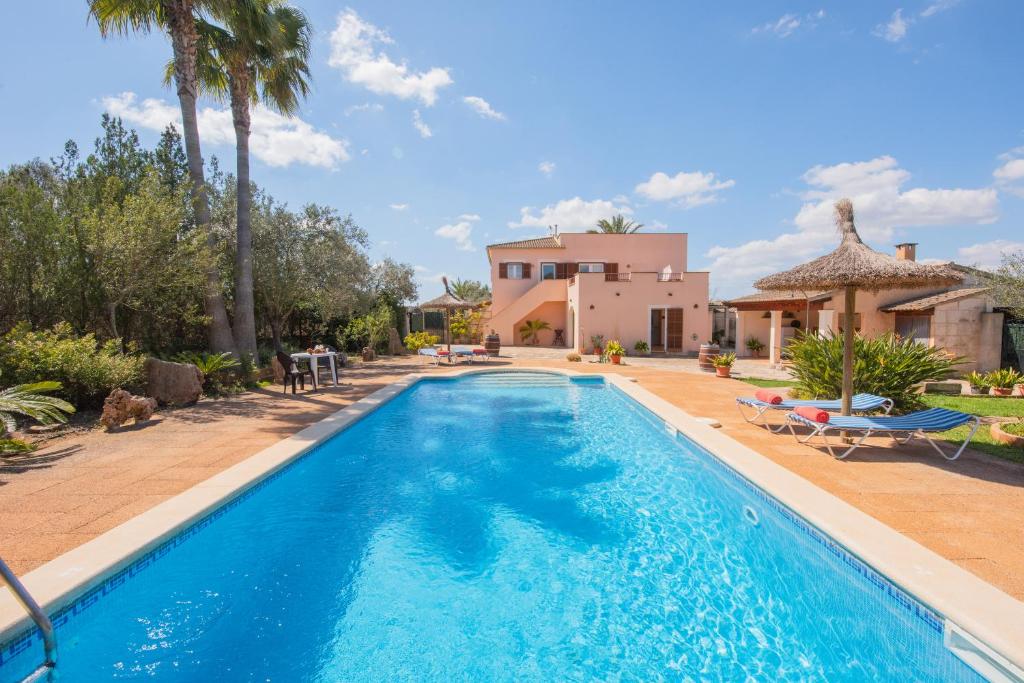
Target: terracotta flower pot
616	360
1001	391
597	350
723	371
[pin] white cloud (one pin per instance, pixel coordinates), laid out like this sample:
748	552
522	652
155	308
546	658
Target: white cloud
275	140
688	189
461	232
881	205
1010	175
988	254
419	125
656	225
366	106
939	6
570	213
354	51
483	108
895	29
399	207
787	24
546	167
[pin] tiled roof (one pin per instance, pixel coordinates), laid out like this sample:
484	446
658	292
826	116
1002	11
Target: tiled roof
932	300
775	296
550	242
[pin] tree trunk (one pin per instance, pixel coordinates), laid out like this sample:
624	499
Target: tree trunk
275	334
112	318
183	40
245	310
849	319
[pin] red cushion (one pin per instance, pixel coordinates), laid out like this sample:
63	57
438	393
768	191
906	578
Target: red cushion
480	352
812	413
442	353
768	396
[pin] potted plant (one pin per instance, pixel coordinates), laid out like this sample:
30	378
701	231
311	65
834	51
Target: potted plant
1003	381
979	382
723	363
597	341
615	351
755	346
641	348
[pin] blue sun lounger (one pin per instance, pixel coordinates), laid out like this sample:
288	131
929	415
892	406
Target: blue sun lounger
862	403
901	428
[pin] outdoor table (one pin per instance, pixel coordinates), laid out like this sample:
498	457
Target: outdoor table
312	358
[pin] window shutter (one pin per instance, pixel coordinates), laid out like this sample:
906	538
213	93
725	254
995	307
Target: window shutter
560	271
526	271
611	267
503	271
572	268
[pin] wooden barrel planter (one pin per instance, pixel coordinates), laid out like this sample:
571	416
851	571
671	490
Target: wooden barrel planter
708	352
492	343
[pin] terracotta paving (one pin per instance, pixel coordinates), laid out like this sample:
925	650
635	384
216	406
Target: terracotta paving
970	511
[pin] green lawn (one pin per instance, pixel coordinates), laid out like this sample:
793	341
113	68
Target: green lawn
767	383
985	406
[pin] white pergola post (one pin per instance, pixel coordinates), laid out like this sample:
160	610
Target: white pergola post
826	323
775	340
741	347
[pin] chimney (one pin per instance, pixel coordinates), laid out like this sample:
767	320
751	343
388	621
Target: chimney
907	251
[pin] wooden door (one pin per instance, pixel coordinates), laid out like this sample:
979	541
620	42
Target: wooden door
658	329
675	330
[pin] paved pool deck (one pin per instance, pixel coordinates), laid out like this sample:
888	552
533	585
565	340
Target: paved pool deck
78	486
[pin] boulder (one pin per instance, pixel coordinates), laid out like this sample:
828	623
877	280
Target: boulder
395	345
121	406
177	384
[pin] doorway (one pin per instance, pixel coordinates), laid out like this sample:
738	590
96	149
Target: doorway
666	330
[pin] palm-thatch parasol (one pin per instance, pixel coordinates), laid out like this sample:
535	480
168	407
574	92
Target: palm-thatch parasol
447	302
853	266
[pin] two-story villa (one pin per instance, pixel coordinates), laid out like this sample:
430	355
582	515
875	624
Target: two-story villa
629	287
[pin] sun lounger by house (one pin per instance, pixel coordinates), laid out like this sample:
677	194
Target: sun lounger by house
470	353
900	428
862	403
432	355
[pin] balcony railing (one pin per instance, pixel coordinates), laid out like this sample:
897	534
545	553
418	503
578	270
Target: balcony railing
670	277
628	277
617	277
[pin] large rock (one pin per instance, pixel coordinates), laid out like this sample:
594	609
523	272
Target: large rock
395	345
177	384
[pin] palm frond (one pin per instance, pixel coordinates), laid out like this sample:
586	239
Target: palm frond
28	400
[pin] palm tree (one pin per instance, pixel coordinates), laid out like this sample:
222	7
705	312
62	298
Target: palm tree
28	400
473	291
530	328
177	18
617	225
260	53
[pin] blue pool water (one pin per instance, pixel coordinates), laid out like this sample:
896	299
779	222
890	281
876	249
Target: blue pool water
496	528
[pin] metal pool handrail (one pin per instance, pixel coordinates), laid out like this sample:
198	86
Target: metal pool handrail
38	616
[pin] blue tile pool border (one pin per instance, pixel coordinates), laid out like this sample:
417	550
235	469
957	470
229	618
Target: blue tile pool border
31	637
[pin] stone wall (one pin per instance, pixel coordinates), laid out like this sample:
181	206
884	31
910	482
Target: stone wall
968	328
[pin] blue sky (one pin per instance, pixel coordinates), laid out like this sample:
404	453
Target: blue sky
445	126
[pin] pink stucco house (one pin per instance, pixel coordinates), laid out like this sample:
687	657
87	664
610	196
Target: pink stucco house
628	287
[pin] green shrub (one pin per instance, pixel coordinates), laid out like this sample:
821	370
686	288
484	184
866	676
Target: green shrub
886	365
978	380
573	357
1006	378
641	347
614	348
87	370
414	341
724	360
222	372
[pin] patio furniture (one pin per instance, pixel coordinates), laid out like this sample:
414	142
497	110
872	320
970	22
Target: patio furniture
559	338
466	352
432	355
900	429
862	403
330	357
293	372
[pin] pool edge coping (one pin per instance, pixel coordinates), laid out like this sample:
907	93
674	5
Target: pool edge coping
968	603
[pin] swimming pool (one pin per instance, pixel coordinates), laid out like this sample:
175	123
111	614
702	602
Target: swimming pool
506	526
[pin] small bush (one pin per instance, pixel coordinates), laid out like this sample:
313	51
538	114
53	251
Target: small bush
1006	378
978	380
886	365
614	348
724	360
641	347
86	369
222	372
573	357
414	341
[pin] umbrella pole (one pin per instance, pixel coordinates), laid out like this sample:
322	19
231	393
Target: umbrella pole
849	319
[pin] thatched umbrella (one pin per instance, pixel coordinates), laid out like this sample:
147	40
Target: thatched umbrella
447	302
853	266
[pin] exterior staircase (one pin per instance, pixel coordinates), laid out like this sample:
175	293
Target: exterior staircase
504	321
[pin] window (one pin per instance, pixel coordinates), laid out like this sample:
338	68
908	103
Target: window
515	271
547	271
916	327
591	267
